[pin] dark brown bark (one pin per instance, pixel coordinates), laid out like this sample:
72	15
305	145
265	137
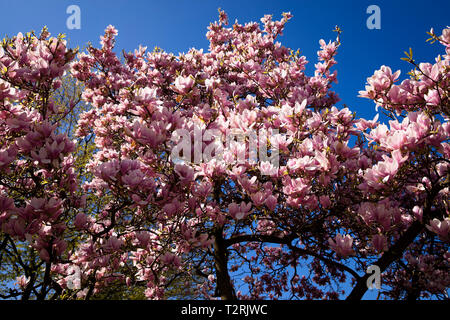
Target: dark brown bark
46	283
225	288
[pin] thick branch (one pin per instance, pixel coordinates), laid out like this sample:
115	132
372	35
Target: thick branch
287	240
4	242
46	282
396	251
259	238
336	264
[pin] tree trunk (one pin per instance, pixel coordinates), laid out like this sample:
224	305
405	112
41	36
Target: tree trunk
225	288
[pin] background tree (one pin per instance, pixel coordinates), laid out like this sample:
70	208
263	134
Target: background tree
38	185
18	255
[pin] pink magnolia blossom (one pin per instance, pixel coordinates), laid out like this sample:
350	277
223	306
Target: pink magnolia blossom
183	84
239	212
271	202
171	259
258	198
379	242
81	221
185	172
441	228
113	244
342	245
22	281
267	168
6	157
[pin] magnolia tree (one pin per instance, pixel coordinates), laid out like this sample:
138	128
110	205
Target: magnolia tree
230	173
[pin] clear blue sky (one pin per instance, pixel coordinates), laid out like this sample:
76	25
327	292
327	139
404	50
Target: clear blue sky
178	25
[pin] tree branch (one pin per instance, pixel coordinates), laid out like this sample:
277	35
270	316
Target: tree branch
224	286
287	240
396	251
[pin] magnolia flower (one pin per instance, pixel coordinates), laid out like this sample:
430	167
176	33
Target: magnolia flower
128	165
146	134
239	212
143	238
379	242
325	201
80	221
108	170
171	208
203	189
250	185
185	172
182	84
258	198
43	254
147	94
112	244
37	204
133	179
59	246
295	186
171	259
441	228
342	245
267	168
446	36
6	157
22	281
281	141
299	107
271	202
6	204
432	97
418	212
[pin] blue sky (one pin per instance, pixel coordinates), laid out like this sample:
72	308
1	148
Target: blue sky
178	25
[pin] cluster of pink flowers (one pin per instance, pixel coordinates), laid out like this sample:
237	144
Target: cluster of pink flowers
141	218
38	182
425	90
